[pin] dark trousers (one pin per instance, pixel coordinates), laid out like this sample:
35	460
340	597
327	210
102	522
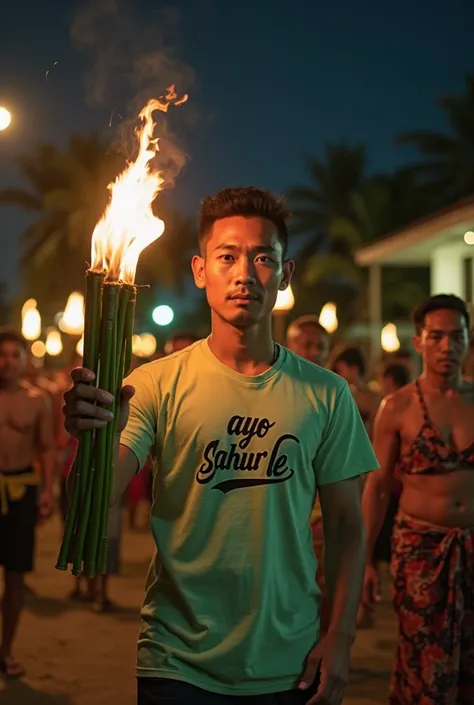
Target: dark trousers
165	691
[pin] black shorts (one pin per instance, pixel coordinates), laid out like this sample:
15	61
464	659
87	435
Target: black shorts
166	691
17	530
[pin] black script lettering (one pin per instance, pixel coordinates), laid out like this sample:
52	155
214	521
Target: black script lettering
277	466
248	427
206	472
221	459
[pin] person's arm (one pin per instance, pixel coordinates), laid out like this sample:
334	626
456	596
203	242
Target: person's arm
376	495
344	556
136	435
345	454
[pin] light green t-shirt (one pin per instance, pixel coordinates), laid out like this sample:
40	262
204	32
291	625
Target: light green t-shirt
231	601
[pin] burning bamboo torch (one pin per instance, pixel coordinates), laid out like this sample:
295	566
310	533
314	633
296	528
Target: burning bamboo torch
126	228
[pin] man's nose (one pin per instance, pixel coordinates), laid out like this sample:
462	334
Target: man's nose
245	273
447	343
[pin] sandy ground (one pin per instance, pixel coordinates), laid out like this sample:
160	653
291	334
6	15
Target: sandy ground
76	657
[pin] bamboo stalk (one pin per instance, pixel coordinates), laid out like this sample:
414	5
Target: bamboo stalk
82	469
129	328
124	298
107	383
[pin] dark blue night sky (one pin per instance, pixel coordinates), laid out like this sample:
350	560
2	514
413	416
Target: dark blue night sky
273	81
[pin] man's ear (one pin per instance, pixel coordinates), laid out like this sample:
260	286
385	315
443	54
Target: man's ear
197	265
288	269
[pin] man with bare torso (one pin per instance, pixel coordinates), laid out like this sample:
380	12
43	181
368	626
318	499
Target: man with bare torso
26	438
425	434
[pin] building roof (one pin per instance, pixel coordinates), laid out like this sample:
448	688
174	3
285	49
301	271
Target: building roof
413	245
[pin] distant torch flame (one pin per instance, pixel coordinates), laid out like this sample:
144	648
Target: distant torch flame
128	224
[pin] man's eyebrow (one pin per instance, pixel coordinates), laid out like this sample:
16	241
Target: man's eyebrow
270	249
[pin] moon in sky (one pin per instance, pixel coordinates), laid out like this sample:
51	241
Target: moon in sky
5	118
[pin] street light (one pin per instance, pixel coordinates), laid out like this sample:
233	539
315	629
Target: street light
80	347
163	315
30	320
5	118
389	338
54	343
38	349
328	318
283	305
72	320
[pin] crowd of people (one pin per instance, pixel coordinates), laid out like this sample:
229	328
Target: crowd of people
259	448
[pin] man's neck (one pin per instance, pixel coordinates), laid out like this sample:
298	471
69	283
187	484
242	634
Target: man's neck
249	351
442	383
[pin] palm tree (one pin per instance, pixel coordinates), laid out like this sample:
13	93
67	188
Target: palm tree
447	165
67	194
333	180
382	204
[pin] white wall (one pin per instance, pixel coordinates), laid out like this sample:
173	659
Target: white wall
447	270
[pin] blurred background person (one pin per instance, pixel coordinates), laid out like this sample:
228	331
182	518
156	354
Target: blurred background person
27	446
349	363
309	339
394	376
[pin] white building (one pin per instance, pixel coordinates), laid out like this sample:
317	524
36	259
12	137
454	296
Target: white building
438	242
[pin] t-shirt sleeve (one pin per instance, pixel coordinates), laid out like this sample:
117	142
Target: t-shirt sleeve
139	435
345	450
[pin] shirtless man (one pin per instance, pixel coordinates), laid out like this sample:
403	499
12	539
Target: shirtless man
307	337
425	433
26	438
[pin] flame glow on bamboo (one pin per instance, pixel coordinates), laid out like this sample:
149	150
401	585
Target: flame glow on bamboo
126	228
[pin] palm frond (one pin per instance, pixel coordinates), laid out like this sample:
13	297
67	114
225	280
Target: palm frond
21	198
321	267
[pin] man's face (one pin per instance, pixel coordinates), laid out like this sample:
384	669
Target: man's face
443	342
311	343
12	361
242	269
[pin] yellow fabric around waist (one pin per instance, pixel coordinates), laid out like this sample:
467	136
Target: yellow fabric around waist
13	488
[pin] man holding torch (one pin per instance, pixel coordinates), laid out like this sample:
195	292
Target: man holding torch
245	434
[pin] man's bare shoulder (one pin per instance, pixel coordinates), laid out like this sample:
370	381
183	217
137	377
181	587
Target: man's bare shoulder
394	405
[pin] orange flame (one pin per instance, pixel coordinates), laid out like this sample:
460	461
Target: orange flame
128	224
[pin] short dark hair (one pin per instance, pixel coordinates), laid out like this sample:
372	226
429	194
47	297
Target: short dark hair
399	373
246	201
448	302
8	335
305	322
352	356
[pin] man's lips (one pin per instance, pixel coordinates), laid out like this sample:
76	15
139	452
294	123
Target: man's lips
243	297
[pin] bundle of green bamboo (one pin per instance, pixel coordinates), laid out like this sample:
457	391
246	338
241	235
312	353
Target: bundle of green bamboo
109	314
126	228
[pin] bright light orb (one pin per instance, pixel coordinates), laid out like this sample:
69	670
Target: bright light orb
469	237
5	118
163	315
